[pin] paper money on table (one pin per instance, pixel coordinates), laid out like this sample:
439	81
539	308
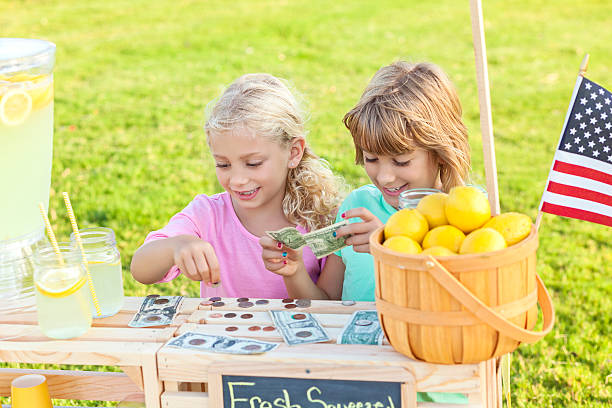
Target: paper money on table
221	344
362	328
298	327
156	310
321	241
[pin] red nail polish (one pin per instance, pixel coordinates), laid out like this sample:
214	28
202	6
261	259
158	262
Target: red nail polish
343	215
284	262
280	245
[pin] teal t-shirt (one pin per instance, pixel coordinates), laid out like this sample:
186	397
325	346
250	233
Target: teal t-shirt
359	268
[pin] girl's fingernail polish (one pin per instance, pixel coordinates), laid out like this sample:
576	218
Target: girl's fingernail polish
284	262
284	254
280	245
208	284
343	215
334	234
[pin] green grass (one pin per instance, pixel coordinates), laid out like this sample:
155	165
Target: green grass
133	77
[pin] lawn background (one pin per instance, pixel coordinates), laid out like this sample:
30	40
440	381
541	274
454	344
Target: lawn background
133	77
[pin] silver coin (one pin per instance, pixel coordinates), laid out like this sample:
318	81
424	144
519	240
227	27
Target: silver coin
303	302
348	302
363	322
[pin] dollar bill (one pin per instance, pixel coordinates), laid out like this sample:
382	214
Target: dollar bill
298	328
156	310
321	241
362	328
221	344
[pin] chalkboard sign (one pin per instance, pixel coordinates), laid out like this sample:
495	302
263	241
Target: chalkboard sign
273	392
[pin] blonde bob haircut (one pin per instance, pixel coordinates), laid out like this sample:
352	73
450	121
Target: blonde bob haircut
265	105
407	106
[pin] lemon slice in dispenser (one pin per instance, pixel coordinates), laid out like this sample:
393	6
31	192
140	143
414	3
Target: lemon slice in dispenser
60	283
15	106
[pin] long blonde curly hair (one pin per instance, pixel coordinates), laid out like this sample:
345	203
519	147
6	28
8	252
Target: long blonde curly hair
266	105
407	106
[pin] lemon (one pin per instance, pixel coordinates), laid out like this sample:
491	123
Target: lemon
445	235
403	244
513	226
15	106
482	240
42	94
432	207
467	208
408	222
438	251
60	283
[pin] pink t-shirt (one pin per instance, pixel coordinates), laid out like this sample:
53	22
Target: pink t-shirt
243	273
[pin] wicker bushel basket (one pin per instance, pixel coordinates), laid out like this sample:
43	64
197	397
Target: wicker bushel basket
460	309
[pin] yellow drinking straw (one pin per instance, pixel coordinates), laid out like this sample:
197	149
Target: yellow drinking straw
50	233
75	229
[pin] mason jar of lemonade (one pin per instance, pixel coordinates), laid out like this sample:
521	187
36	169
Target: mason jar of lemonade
63	296
104	263
26	133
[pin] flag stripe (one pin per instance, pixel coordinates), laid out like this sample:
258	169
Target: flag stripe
565	201
568	179
582	171
588	162
576	213
579	192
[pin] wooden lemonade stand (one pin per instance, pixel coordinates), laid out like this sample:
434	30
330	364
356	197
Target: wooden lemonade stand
164	376
295	376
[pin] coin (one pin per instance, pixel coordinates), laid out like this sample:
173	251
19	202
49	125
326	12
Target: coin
254	328
348	302
262	302
299	316
218	304
161	301
215	315
242	299
206	303
303	334
252	347
245	304
231	328
269	328
246	316
229	315
197	342
153	318
287	300
363	322
215	299
290	306
303	302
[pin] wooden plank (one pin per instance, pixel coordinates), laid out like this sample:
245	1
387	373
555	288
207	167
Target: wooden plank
183	365
409	395
29	333
260	318
77	352
152	384
120	319
316	306
185	399
135	374
82	385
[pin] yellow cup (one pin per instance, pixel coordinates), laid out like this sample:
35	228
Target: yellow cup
30	391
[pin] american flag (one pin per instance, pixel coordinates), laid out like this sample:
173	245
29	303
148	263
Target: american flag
580	180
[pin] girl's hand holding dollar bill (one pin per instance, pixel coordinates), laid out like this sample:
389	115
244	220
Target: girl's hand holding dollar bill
358	233
196	259
279	258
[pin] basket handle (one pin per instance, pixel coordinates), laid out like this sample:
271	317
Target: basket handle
488	315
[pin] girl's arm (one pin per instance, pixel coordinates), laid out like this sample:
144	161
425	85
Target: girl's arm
195	258
289	264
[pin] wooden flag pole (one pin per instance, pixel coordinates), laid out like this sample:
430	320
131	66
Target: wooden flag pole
581	72
484	101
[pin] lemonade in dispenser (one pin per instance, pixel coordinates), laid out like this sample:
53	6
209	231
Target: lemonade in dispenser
26	134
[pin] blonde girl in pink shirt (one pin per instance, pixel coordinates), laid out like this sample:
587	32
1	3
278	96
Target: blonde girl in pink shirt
272	179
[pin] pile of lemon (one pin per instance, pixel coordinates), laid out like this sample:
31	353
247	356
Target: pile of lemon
459	222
